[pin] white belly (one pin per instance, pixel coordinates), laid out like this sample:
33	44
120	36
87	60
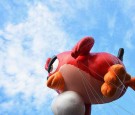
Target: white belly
85	85
68	103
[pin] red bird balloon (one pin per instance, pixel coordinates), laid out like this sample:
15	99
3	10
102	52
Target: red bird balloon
96	78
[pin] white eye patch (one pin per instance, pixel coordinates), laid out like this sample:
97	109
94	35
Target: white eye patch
54	66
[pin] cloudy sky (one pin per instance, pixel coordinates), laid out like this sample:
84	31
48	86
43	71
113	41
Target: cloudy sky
31	31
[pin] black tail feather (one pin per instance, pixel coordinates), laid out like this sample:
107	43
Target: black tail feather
120	54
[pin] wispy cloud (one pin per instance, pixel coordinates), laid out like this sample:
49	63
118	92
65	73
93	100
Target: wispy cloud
129	40
24	48
128	9
111	23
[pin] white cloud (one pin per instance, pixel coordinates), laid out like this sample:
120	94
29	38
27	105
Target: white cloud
70	8
6	106
24	48
128	40
111	24
128	9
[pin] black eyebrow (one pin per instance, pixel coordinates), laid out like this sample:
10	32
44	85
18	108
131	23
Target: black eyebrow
51	62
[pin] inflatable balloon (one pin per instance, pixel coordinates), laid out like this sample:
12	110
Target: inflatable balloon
83	78
68	103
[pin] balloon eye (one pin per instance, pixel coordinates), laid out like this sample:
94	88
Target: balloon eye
54	66
47	77
51	62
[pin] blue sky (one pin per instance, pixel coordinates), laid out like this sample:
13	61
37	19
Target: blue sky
31	31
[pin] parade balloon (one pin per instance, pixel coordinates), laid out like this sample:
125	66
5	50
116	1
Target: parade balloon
83	78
